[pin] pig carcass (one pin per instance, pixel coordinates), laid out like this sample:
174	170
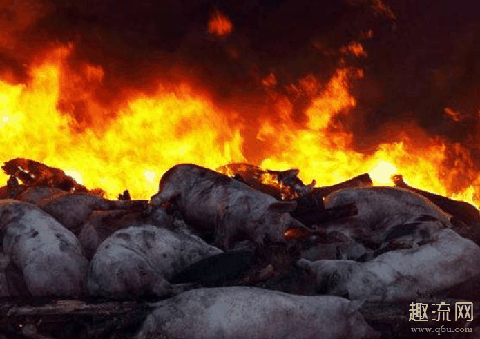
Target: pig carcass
40	195
332	245
254	313
387	213
101	224
224	209
139	261
401	274
12	283
72	209
4	288
34	173
49	256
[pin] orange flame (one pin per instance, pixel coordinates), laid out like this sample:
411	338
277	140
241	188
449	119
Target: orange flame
354	48
455	116
152	133
219	24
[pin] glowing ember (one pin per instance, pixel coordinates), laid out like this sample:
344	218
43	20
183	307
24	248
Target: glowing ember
382	173
293	233
269	179
455	116
354	48
219	25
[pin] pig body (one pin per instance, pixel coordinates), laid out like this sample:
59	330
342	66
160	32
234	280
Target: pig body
402	274
386	213
49	256
4	288
139	261
217	205
101	224
254	313
12	283
334	245
40	195
72	209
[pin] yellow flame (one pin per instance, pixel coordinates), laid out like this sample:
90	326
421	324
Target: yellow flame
150	176
154	132
75	175
382	173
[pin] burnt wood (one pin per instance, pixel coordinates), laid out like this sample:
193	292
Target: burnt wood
55	319
311	209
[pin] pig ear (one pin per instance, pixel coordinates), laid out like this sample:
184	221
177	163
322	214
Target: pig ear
283	206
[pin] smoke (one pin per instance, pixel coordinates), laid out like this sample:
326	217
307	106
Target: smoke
138	42
425	73
427	64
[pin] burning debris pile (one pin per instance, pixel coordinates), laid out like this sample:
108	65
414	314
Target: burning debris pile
34	174
239	252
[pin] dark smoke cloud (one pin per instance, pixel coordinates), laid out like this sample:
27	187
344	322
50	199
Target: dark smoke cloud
136	41
428	63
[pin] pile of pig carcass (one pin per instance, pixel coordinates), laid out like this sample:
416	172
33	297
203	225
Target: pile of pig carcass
228	256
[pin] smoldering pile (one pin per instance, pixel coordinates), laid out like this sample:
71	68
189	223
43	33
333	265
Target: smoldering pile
251	254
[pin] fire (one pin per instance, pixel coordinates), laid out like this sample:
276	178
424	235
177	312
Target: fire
324	154
382	173
74	175
150	135
147	134
219	24
354	48
293	233
455	116
150	176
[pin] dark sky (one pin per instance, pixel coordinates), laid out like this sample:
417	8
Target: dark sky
422	59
